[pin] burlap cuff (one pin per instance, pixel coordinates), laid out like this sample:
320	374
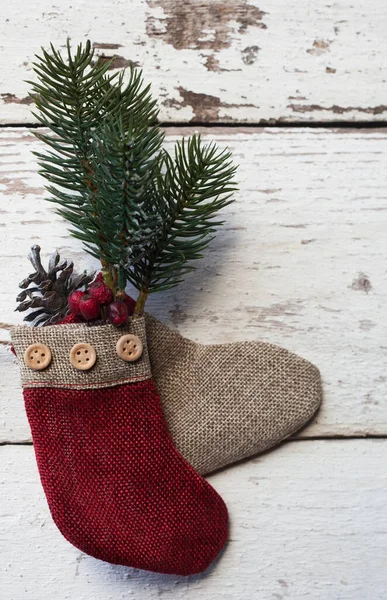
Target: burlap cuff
108	370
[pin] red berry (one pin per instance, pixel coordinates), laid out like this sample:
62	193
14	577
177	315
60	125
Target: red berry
101	292
129	303
99	278
70	319
74	300
89	307
117	313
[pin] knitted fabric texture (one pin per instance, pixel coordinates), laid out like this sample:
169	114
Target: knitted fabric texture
116	486
226	402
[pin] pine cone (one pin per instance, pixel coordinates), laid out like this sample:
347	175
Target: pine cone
48	292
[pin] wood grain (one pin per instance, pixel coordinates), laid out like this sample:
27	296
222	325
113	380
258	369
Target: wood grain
307	521
217	60
300	262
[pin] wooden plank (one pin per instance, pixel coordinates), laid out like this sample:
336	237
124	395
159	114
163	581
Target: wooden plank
217	60
300	262
307	521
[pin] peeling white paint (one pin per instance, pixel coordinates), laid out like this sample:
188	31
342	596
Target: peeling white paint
307	521
300	262
316	62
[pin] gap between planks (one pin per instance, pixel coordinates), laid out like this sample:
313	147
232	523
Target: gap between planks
335	437
335	125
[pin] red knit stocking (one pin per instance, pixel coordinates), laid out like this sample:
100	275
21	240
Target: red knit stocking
116	486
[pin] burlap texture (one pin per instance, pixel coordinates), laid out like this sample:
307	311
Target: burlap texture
109	368
222	402
226	402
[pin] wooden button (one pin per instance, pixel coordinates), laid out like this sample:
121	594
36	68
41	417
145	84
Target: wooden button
83	356
129	347
37	356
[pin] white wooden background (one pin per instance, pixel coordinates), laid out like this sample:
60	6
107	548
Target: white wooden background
301	262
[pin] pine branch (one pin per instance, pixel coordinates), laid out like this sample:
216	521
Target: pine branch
123	219
193	186
144	214
75	98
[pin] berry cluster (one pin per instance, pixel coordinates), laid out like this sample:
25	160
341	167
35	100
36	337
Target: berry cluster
98	303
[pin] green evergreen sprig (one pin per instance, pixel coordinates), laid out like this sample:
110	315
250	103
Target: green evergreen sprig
193	186
144	214
125	210
82	106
